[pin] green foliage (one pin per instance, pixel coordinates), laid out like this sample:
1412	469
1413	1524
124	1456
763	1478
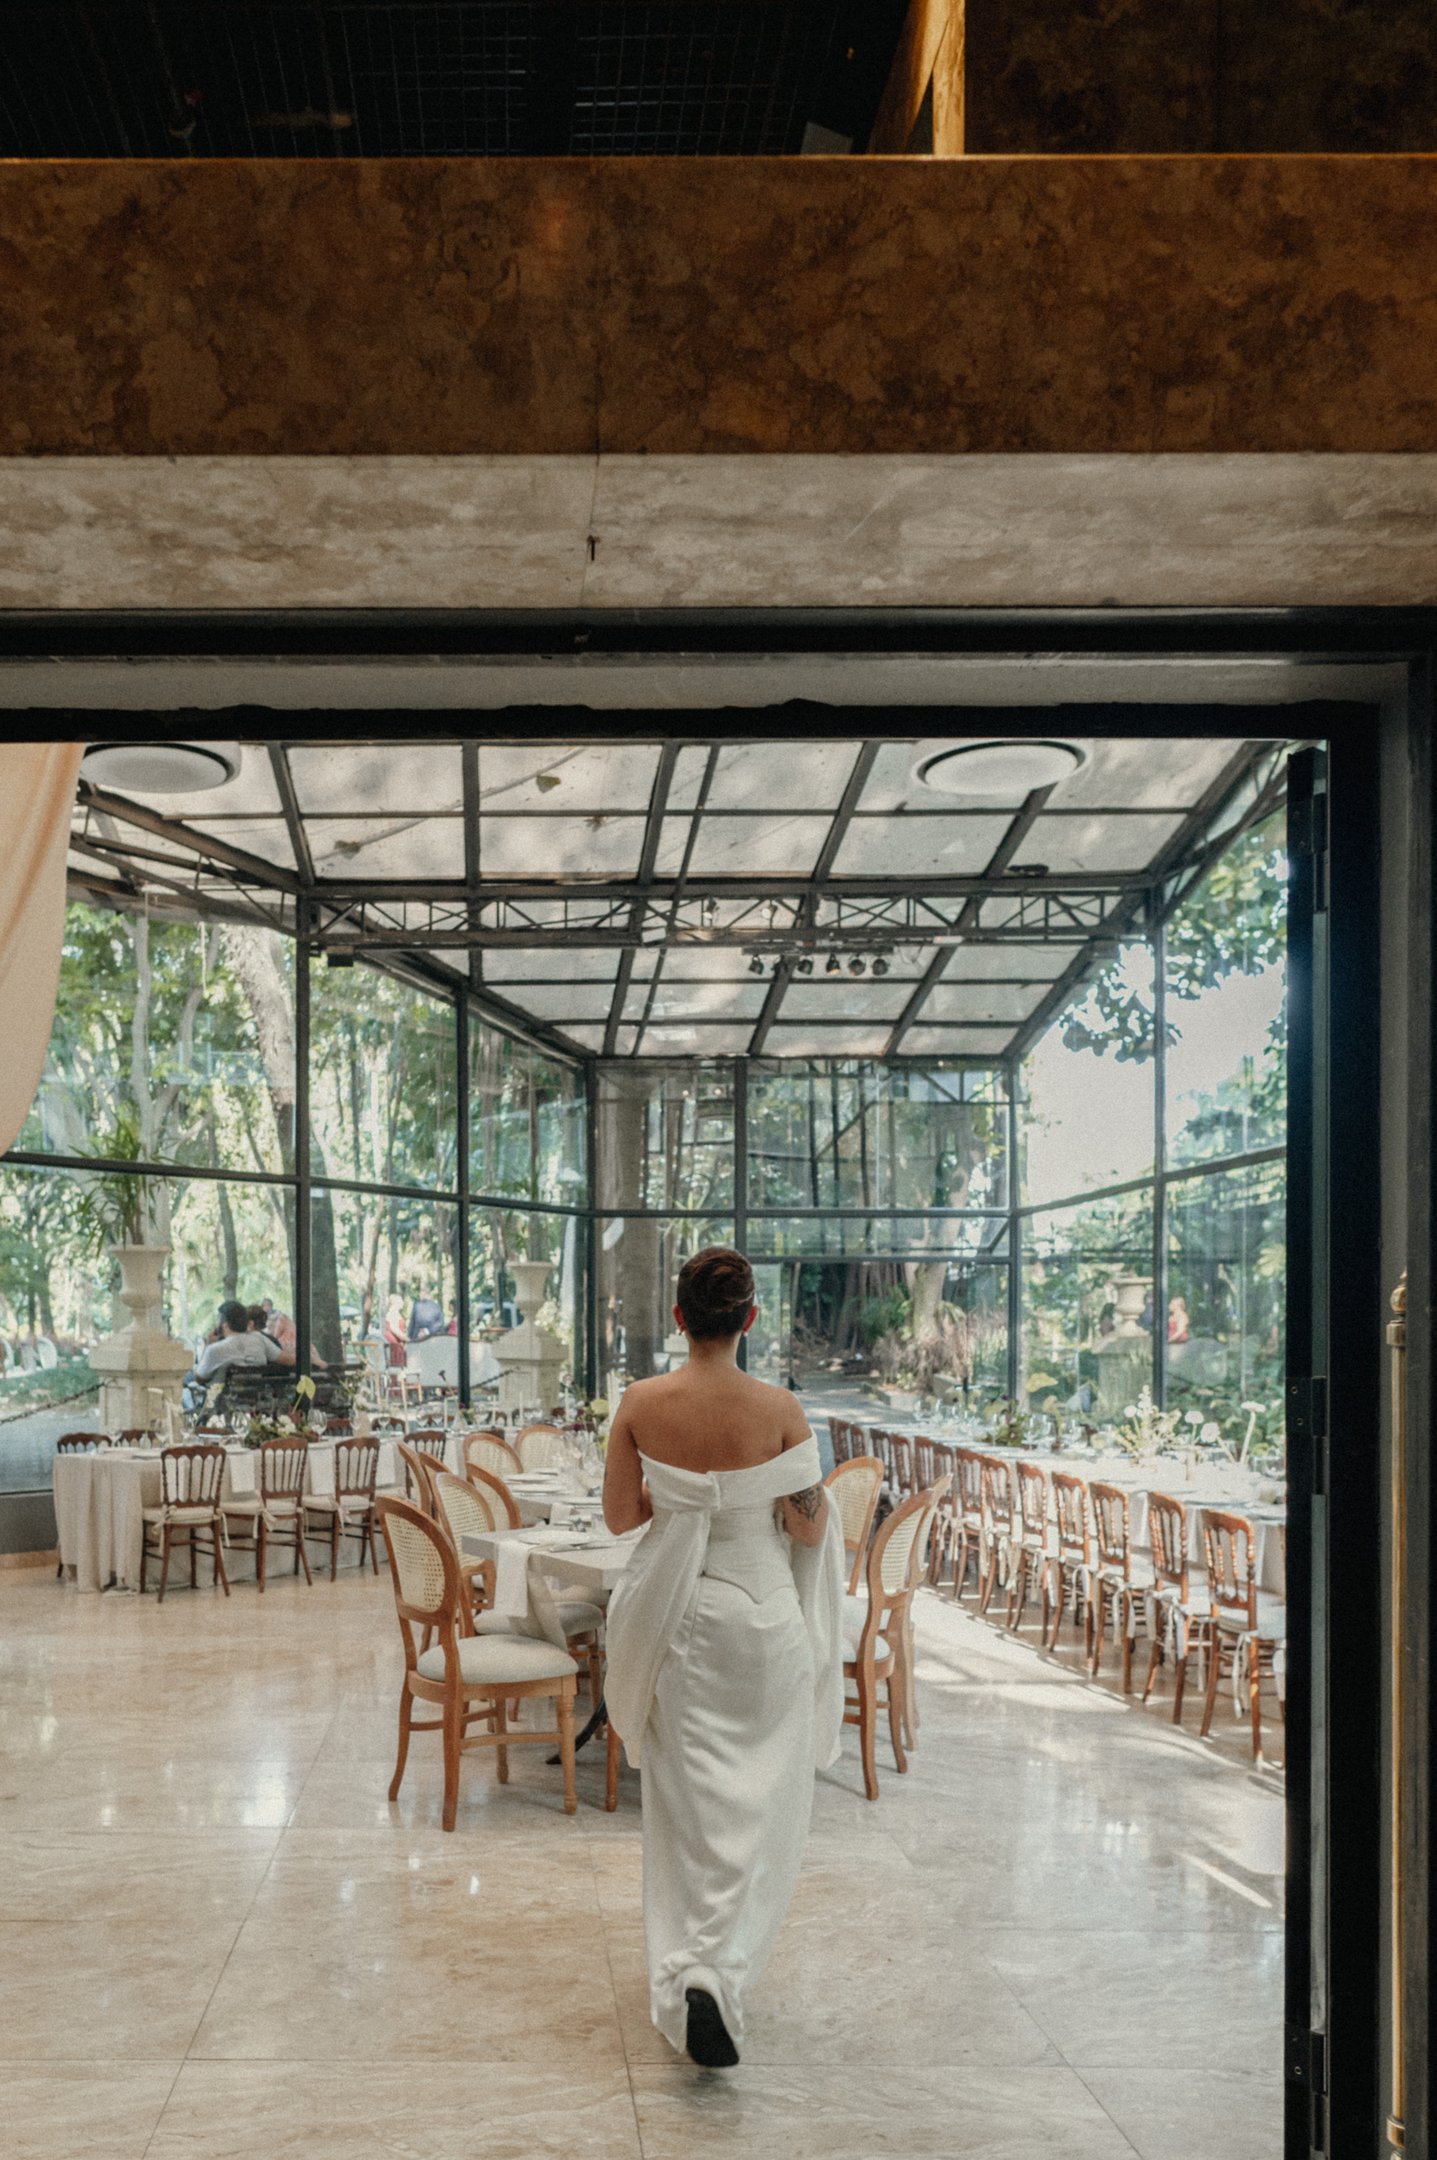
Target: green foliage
1234	922
880	1316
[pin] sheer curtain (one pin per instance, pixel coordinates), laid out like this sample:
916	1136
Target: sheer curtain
37	794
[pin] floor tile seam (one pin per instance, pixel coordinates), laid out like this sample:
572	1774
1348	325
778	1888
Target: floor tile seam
618	2019
1132	2146
163	2110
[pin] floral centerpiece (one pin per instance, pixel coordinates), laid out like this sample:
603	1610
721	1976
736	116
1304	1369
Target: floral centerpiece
591	1417
288	1424
1148	1430
1008	1424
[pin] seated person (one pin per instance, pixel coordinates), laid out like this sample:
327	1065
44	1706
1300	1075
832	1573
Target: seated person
238	1344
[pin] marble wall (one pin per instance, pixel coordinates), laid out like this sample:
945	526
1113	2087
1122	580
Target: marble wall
1130	76
804	306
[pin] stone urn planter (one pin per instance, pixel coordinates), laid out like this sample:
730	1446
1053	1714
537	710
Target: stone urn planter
530	1360
141	1368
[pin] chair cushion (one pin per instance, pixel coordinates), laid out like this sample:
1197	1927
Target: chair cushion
576	1619
179	1514
491	1660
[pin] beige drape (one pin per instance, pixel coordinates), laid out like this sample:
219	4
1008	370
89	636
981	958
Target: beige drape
37	794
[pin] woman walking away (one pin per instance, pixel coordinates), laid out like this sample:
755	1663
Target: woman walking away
725	1655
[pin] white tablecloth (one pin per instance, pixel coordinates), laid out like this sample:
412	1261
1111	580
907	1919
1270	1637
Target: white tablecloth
100	1501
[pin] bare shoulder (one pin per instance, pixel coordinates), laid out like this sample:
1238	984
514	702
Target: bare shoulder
783	1405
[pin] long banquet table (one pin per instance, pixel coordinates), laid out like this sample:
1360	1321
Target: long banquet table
100	1500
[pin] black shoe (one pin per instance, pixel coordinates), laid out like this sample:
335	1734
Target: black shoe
708	2041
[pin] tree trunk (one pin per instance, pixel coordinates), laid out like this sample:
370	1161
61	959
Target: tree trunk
228	1245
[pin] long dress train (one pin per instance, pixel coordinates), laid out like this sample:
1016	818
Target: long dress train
725	1680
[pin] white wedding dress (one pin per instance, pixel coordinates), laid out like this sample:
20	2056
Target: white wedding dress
725	1680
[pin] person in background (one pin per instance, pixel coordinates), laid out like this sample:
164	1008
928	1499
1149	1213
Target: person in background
1179	1326
238	1344
426	1318
453	1327
394	1336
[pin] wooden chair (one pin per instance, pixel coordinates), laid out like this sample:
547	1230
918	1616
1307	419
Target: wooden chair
1030	1545
1249	1627
1121	1585
900	1451
997	1520
136	1436
276	1515
853	1487
540	1447
924	1472
1184	1611
468	1677
81	1443
880	1443
1070	1563
838	1431
876	1660
464	1509
191	1478
490	1451
939	1466
964	1511
420	1468
349	1510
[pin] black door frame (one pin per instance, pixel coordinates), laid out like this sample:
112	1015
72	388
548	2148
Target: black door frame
1345	2117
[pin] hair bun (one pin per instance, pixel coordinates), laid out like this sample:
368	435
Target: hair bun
715	1293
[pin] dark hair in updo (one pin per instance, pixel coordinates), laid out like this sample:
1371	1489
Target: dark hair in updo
715	1293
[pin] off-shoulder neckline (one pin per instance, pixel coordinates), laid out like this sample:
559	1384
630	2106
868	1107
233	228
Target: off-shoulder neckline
743	1470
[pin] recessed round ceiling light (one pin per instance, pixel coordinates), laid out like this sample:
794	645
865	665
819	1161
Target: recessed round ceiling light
1007	769
162	768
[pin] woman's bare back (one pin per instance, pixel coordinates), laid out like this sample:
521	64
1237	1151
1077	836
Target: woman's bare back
710	1416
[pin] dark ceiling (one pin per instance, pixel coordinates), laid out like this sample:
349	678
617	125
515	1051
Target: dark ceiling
439	78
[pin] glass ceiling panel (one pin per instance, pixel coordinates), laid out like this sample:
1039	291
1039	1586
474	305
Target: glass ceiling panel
766	776
266	837
970	1002
837	999
372	847
251	793
825	1042
913	847
589	776
696	1000
1138	771
697	1041
567	963
549	846
561	1001
1016	962
588	1038
1079	844
956	1042
698	963
763	846
413	779
1146	772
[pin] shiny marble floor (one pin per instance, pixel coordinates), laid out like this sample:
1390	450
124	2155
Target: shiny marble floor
1060	1932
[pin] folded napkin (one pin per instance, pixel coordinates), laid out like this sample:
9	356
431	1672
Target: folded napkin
511	1576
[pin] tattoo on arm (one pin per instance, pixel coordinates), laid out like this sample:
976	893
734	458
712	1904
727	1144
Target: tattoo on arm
808	1502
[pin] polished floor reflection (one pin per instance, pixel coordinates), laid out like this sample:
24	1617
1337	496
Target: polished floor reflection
1061	1931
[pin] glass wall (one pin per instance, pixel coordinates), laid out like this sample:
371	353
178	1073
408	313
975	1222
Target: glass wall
1173	1092
174	1054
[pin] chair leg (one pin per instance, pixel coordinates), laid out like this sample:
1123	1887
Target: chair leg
221	1574
453	1734
373	1550
867	1723
988	1588
301	1551
164	1564
1254	1697
1125	1617
895	1719
611	1771
1060	1593
566	1747
1214	1674
1097	1629
406	1712
261	1550
501	1726
194	1560
335	1522
1155	1651
144	1558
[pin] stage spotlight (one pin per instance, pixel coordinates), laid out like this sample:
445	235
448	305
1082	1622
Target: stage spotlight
755	966
834	964
880	966
855	965
803	966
